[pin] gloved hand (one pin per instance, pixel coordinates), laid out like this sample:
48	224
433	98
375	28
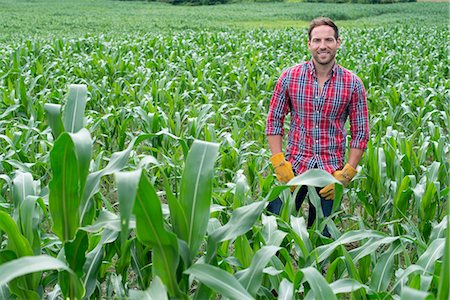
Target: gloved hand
283	168
344	176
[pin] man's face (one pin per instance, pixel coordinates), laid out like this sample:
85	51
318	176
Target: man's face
323	45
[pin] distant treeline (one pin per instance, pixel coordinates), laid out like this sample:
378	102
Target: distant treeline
212	2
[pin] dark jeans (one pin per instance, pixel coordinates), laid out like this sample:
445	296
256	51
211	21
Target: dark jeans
327	206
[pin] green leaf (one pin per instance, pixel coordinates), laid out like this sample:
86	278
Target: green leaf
16	241
346	285
319	286
53	112
93	261
23	287
73	114
444	278
410	293
301	237
156	291
251	277
219	280
382	273
75	252
195	194
22	187
323	252
151	231
241	221
403	195
286	290
70	163
314	177
29	222
127	183
31	264
434	251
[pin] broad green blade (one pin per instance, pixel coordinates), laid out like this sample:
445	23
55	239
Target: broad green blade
384	269
371	246
150	230
301	237
54	119
70	163
94	260
403	195
314	177
16	241
83	148
323	252
31	264
444	279
434	251
156	291
410	293
195	194
29	222
241	221
319	286
127	185
73	114
75	251
22	187
251	277
286	290
219	280
346	285
23	287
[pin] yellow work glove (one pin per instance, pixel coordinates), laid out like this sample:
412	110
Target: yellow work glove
282	168
344	176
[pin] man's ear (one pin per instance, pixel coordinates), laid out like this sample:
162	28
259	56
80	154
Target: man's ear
339	42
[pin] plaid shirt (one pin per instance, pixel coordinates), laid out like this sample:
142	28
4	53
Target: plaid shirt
317	137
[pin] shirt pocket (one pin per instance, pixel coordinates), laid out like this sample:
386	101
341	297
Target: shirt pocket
336	106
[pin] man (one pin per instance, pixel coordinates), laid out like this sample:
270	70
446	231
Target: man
320	95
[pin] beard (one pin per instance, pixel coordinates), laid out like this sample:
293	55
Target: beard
325	59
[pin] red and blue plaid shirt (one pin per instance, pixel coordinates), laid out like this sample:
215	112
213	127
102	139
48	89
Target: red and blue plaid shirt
317	137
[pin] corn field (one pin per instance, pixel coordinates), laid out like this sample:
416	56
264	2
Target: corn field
136	167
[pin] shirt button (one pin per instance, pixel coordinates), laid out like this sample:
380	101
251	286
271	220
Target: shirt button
317	126
317	141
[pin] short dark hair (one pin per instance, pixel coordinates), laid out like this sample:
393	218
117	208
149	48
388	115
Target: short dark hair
323	21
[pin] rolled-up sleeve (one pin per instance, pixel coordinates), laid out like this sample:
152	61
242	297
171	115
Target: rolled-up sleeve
359	117
279	106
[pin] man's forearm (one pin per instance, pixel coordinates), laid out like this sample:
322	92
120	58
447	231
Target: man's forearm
275	143
355	156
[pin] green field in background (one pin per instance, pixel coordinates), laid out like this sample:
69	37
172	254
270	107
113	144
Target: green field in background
74	18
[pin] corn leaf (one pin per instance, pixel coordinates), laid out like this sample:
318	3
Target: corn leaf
73	114
195	195
70	163
313	177
30	264
54	119
251	277
219	280
156	291
286	290
151	231
319	286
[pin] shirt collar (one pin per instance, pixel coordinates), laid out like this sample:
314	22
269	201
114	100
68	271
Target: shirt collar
312	70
